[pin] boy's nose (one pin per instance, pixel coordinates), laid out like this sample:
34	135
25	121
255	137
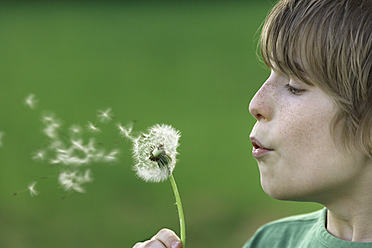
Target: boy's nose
260	106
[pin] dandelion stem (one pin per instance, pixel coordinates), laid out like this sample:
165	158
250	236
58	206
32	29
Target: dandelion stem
180	210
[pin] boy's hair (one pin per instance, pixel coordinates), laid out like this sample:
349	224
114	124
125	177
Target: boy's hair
327	43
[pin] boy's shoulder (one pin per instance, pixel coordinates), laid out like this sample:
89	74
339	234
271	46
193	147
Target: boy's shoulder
289	231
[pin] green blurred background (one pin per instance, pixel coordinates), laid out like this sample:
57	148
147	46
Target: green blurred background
189	64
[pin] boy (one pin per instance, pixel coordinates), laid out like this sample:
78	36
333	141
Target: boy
313	135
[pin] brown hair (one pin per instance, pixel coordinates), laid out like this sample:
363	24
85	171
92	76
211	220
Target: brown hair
327	43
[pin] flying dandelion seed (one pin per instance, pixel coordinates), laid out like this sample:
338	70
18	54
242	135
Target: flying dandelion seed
39	155
32	190
92	128
73	180
105	115
125	131
51	125
30	101
75	130
111	156
71	148
1	137
76	154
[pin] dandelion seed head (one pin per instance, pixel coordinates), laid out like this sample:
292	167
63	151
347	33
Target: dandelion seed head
104	115
155	153
32	190
30	101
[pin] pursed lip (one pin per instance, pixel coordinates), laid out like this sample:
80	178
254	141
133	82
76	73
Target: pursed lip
259	150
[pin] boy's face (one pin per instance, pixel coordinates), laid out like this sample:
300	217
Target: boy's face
296	155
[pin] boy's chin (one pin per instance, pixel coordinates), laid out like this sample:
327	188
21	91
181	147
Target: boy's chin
284	194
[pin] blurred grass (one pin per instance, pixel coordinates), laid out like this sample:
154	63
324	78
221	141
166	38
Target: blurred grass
192	65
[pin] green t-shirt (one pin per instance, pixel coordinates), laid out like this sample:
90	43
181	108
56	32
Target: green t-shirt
302	231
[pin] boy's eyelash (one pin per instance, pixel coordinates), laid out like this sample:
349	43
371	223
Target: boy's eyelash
294	90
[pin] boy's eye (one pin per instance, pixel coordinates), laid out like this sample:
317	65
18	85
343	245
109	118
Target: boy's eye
293	90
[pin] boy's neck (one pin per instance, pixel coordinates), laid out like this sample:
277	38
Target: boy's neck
349	215
350	228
